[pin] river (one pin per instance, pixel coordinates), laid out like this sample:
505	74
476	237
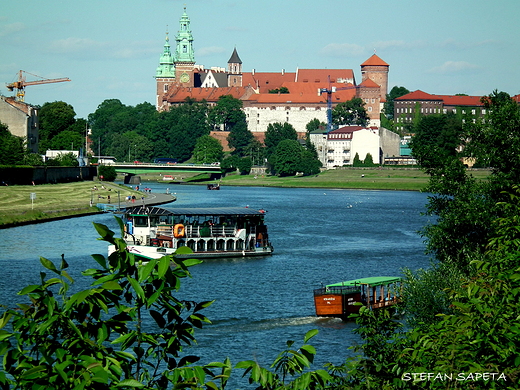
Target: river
320	236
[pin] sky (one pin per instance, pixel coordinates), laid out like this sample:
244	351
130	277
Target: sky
110	49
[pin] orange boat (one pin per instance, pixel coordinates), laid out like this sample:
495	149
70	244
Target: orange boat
344	298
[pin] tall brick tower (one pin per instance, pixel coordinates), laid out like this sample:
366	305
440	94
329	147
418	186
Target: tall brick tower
376	70
235	70
184	54
165	73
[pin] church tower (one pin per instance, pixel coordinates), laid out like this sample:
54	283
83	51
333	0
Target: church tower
376	70
165	73
235	70
184	53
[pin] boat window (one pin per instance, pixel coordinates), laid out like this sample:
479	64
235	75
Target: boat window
154	220
140	221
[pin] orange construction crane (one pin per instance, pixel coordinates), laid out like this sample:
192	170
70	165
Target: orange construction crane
21	83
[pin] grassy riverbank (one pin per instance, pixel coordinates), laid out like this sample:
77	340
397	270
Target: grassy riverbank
63	200
403	179
55	200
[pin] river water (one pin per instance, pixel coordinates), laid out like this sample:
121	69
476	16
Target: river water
320	236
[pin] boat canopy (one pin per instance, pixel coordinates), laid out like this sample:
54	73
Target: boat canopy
194	211
373	281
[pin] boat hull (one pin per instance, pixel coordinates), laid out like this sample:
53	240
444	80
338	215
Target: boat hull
152	252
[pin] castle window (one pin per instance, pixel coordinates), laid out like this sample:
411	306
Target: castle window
165	87
370	109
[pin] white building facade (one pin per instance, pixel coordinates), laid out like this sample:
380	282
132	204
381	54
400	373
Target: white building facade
339	147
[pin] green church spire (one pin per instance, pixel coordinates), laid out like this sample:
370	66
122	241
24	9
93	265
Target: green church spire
184	52
166	66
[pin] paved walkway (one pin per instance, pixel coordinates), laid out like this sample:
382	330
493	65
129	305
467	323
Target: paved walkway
151	199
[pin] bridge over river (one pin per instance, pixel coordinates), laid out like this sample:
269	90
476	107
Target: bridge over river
133	169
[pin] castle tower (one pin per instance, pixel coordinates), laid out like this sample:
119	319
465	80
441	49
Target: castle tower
376	70
184	53
235	70
165	73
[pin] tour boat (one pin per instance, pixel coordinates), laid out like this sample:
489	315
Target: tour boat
152	232
344	298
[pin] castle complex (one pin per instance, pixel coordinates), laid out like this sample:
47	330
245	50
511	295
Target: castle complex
267	97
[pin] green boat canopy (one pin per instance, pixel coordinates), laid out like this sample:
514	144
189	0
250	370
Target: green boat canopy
374	281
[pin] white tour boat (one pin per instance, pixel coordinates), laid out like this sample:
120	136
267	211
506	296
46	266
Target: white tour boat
152	232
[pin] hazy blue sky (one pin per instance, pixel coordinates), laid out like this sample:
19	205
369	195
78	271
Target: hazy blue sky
111	48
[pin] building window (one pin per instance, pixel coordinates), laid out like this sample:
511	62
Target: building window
165	87
369	108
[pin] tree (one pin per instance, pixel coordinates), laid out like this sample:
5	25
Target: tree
67	140
64	160
12	149
227	112
464	207
395	92
351	112
286	159
107	173
207	150
277	132
240	138
436	140
315	124
310	164
256	151
279	90
55	118
244	165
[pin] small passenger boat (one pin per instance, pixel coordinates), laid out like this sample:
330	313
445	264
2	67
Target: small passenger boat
152	232
344	298
214	186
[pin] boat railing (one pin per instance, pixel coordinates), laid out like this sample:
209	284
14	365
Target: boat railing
194	231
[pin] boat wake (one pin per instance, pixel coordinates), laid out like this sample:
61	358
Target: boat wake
235	325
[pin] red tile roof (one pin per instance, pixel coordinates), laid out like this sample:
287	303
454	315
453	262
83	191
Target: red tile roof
323	75
179	94
267	80
369	83
453	100
448	100
306	93
418	95
375	61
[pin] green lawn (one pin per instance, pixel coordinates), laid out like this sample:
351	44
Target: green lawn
55	200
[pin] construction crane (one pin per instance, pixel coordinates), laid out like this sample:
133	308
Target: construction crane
329	91
21	83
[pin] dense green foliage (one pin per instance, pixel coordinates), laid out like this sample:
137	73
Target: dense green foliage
277	132
12	150
290	158
107	173
141	133
59	129
395	92
351	112
465	207
207	150
63	160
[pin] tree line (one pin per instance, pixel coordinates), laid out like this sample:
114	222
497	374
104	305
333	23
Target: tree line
141	133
